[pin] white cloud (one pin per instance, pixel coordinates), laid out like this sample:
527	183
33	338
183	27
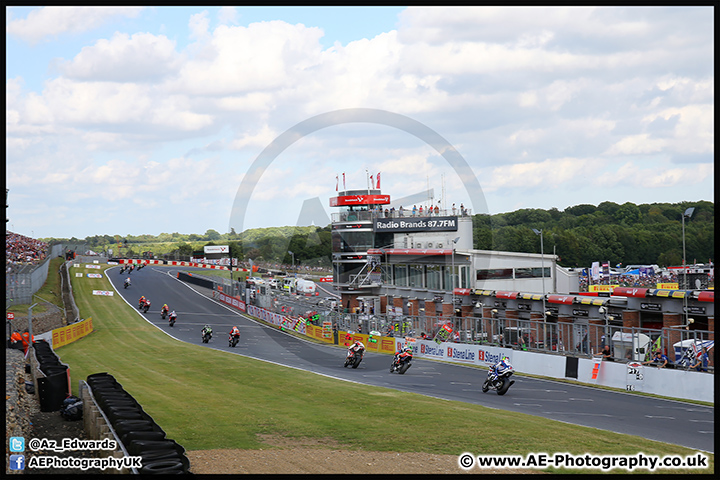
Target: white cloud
533	98
53	21
551	173
657	176
138	58
636	145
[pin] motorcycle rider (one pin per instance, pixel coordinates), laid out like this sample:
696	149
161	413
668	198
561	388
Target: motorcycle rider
164	309
500	366
235	332
207	329
127	281
142	299
172	317
147	304
356	347
404	352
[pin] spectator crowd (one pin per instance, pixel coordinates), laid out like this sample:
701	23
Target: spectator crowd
646	281
21	251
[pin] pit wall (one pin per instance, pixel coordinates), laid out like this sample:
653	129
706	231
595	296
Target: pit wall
680	384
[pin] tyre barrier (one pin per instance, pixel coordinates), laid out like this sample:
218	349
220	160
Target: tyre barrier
50	376
135	430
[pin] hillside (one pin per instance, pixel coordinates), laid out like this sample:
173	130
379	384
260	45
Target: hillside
579	235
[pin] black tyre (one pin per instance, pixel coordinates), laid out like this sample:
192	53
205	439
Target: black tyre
392	368
147	435
505	387
163	467
403	368
137	447
485	386
158	455
356	363
126	426
124	412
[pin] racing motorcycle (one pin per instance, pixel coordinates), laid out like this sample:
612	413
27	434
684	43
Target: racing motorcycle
354	359
163	313
206	336
127	284
233	340
171	319
500	381
401	362
146	306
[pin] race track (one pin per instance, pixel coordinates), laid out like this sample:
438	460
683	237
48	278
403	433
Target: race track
667	421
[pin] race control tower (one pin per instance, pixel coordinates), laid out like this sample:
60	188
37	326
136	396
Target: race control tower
352	236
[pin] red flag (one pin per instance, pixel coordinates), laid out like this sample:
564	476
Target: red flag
378	180
372	182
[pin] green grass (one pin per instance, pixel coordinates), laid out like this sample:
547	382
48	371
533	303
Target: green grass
206	399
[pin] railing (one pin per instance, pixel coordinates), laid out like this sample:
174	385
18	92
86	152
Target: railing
562	338
368	215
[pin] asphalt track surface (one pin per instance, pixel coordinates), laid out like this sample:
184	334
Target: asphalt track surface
669	421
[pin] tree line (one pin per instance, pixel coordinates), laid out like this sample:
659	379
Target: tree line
624	234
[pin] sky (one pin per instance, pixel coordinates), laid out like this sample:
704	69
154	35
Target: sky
149	120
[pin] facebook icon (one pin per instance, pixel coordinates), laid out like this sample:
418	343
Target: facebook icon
17	462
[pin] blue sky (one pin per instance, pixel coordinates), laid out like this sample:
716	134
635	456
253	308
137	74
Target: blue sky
146	120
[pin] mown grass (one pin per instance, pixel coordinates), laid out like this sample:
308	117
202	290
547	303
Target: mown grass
207	399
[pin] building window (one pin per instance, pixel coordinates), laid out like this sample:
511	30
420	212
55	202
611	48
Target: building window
534	272
495	274
434	278
416	276
401	274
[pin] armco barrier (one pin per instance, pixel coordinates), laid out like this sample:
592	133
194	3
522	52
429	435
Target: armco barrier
202	282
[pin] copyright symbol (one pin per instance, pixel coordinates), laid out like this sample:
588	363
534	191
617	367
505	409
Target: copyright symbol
34	444
466	461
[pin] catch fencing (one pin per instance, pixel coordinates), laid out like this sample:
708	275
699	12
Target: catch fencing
21	284
627	344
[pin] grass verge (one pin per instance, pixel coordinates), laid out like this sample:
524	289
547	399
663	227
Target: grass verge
207	399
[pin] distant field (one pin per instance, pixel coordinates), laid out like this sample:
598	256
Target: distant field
207	399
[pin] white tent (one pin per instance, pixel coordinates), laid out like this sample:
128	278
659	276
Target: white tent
635	344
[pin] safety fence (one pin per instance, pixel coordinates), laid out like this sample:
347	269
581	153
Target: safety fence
20	286
626	343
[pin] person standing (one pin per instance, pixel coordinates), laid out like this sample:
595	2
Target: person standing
702	361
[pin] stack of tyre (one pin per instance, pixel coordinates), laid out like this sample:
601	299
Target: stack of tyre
137	431
53	388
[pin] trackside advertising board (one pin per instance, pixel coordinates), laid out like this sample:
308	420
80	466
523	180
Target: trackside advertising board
64	335
460	352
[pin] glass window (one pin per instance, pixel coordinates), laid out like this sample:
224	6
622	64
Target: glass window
434	278
416	276
495	274
533	272
401	275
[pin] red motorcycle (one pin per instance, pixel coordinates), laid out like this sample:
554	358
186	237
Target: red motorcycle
401	362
